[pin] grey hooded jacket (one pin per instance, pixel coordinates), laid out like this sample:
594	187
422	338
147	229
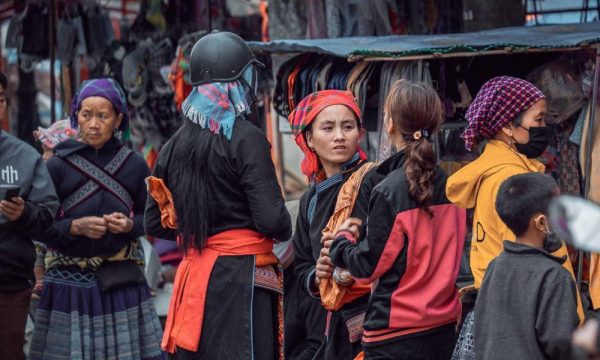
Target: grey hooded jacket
21	165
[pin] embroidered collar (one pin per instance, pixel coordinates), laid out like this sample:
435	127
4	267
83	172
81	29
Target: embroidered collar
328	183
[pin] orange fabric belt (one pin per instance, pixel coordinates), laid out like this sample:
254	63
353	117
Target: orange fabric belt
186	310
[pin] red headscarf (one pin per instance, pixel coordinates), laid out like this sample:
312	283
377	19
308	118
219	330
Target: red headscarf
306	112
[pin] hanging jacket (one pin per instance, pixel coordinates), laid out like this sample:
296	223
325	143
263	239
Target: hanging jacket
413	257
476	186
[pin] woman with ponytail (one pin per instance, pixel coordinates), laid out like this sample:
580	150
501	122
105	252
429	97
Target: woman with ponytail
414	239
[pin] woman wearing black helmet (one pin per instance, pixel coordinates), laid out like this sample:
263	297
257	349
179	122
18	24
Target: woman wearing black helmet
214	189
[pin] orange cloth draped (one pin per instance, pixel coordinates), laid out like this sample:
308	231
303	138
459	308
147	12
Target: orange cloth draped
333	295
186	310
163	197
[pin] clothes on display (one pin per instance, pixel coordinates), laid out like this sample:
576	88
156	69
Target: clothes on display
297	19
565	79
307	73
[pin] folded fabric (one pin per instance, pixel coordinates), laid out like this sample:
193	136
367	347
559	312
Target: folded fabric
163	197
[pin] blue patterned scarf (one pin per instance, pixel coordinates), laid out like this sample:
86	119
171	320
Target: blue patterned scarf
216	105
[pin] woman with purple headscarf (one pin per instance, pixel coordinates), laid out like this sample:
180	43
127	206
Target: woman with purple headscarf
95	301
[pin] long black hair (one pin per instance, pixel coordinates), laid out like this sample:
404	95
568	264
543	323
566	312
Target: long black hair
188	181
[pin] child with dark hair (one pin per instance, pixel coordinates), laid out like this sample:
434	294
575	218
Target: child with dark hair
527	303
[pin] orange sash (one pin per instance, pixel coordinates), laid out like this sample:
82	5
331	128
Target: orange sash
184	321
333	295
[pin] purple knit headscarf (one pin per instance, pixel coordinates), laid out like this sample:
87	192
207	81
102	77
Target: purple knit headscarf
499	101
106	88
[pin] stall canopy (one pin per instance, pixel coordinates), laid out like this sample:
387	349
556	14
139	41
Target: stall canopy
505	40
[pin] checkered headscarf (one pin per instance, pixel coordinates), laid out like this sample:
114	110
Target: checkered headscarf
306	112
499	101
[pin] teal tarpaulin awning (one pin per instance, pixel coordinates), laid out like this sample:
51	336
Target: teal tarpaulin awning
399	46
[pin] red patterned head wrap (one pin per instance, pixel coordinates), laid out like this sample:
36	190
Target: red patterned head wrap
499	101
306	112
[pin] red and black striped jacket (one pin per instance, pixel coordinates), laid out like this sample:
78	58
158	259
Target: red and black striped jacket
411	257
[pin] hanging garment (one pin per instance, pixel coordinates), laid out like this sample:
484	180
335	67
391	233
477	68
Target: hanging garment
97	30
177	77
35	31
287	19
569	180
561	85
135	75
81	47
280	93
66	38
316	25
594	193
14	34
576	135
160	54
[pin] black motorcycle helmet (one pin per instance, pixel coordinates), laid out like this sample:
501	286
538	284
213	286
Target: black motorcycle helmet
220	57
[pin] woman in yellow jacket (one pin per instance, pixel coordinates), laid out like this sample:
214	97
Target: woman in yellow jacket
509	113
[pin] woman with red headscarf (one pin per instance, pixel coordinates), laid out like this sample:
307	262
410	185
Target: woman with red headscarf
327	128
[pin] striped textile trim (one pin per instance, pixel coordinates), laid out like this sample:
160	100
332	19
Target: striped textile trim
125	335
374	336
355	327
265	277
70	278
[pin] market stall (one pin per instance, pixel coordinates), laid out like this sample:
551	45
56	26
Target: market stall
562	60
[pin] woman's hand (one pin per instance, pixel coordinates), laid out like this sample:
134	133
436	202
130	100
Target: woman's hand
93	227
324	268
327	239
118	223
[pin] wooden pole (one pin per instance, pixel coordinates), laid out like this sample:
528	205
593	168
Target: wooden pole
588	153
590	143
209	14
52	26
